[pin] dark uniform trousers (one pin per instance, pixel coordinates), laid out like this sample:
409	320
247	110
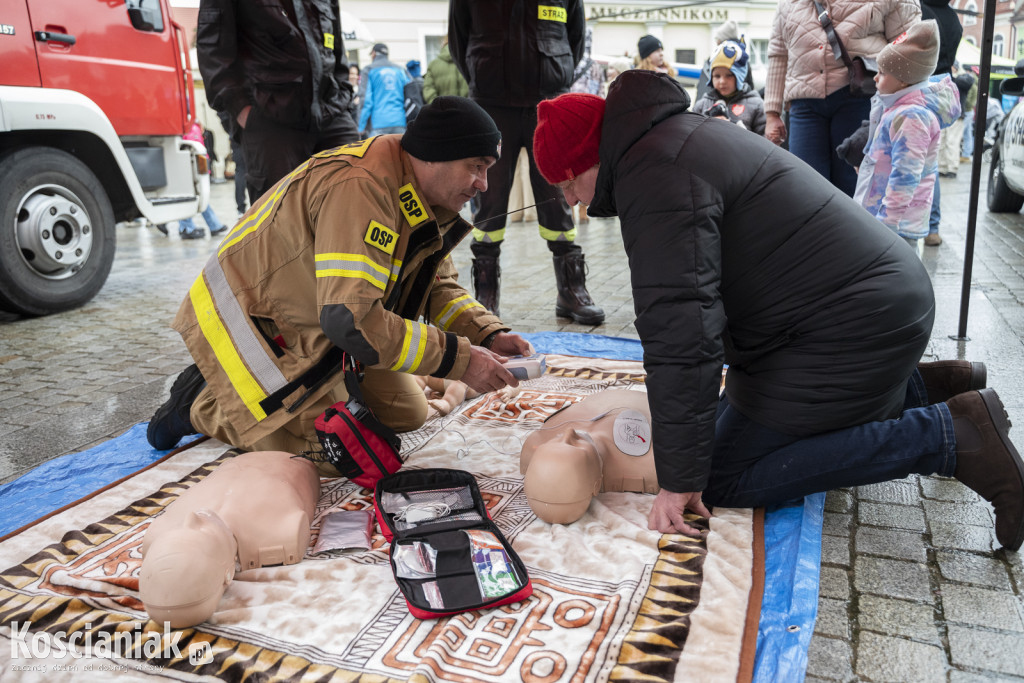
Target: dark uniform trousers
517	125
273	150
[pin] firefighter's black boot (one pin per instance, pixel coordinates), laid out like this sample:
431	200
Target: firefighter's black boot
487	282
573	298
171	421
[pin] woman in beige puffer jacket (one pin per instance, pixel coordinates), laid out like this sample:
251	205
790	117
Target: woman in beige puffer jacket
805	77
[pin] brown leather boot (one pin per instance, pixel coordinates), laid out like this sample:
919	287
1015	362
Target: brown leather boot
945	379
987	462
487	282
573	298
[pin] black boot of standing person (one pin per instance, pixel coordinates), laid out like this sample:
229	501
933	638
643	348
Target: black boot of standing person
573	298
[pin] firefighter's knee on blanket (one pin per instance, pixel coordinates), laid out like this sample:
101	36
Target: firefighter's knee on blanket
256	507
601	444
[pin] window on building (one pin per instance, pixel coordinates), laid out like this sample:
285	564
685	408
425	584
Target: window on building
686	56
758	50
970	19
997	44
432	48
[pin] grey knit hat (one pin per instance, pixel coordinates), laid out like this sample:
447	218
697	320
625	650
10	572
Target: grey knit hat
913	55
730	30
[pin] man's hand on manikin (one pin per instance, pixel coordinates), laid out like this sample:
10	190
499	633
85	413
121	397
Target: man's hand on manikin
667	512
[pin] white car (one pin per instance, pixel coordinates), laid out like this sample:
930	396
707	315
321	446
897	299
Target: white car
1006	172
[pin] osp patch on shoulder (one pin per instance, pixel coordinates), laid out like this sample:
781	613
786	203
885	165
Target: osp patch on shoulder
411	205
352	149
382	237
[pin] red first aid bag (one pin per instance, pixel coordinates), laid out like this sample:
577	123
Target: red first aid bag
360	446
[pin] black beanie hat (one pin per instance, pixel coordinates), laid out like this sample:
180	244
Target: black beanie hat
647	45
452	128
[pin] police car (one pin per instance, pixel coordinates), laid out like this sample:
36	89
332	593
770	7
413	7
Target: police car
1006	172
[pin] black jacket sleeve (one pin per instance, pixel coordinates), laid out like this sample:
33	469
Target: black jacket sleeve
576	23
674	252
217	50
340	60
458	34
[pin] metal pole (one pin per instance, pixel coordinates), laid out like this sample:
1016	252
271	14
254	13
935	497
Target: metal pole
987	30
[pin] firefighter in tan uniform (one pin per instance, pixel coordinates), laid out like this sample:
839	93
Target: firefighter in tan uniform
348	253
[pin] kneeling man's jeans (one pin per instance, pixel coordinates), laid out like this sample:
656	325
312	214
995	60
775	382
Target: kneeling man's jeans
755	465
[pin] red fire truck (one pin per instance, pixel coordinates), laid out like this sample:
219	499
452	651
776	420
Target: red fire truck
94	98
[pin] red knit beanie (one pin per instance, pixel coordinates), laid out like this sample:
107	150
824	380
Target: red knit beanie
568	135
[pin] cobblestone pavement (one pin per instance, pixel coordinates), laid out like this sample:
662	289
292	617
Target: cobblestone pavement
912	588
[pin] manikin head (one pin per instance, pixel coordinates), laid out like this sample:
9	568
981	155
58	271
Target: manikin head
187	570
563	476
452	142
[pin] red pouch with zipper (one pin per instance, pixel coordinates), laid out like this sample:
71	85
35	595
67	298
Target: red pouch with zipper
446	553
361	447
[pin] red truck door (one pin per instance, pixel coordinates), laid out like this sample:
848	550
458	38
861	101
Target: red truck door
122	54
17	53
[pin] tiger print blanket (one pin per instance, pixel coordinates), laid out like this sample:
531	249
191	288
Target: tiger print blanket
612	600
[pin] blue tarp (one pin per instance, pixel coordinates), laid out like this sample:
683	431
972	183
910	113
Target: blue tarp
792	541
792	533
70	477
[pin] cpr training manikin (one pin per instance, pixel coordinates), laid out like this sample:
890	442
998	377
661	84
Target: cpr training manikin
256	507
603	443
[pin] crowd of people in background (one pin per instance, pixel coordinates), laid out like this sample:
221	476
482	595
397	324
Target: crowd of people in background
799	106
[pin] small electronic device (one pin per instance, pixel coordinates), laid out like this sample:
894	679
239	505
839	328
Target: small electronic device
526	367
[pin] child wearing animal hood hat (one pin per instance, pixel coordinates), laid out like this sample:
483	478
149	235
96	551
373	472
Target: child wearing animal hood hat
896	179
729	96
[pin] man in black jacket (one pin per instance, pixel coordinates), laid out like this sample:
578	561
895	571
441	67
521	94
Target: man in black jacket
509	71
739	252
278	68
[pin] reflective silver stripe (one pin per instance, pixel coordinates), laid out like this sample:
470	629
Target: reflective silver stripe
455	308
352	267
246	342
412	347
488	235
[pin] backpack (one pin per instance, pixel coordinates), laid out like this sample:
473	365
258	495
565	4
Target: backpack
413	92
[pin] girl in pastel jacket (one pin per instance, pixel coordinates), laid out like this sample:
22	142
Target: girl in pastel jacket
897	177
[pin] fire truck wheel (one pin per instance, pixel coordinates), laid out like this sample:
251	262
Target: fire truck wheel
56	232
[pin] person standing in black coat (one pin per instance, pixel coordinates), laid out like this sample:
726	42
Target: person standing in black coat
278	68
509	71
740	253
950	32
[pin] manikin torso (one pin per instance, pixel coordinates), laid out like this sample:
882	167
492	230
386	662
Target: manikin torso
602	443
256	507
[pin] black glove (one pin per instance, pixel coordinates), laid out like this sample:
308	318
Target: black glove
851	150
718	109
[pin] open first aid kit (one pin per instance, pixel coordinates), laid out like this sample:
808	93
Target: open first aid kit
446	553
